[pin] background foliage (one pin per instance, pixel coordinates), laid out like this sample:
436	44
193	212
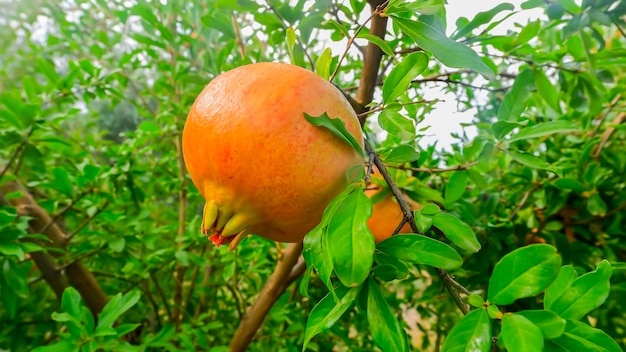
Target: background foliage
94	194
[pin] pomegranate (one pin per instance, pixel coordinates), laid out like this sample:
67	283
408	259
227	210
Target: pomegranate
260	165
386	213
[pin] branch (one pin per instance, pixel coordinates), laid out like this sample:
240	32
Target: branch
607	134
14	156
81	278
275	286
606	114
451	285
523	201
238	40
436	169
373	56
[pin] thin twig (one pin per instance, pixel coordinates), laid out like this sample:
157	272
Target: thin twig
450	284
162	296
607	134
597	218
194	277
619	28
298	41
16	152
423	101
523	201
436	169
86	221
238	40
375	13
80	257
606	114
65	210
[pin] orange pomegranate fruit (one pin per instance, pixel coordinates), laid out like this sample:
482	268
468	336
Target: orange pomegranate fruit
386	213
260	165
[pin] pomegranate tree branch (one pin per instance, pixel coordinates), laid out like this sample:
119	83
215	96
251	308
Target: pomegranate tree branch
607	134
79	277
452	286
275	286
373	54
602	118
437	169
179	272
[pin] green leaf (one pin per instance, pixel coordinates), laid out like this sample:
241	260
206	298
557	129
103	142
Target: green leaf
546	90
457	231
15	276
502	128
62	181
585	294
520	334
430	209
117	306
61	346
449	52
327	311
569	184
482	18
420	249
383	45
10	248
530	160
475	300
402	74
582	337
567	275
396	124
353	245
315	244
291	43
322	66
471	333
387	332
544	129
382	259
523	273
337	127
456	186
515	100
400	155
551	325
596	205
422	221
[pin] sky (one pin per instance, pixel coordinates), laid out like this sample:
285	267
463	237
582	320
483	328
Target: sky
446	119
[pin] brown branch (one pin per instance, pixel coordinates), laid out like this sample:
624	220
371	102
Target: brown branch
607	134
49	272
86	222
162	296
179	272
373	56
298	41
461	83
451	285
606	114
14	156
79	277
194	277
523	201
423	101
436	169
238	40
273	289
58	215
598	218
